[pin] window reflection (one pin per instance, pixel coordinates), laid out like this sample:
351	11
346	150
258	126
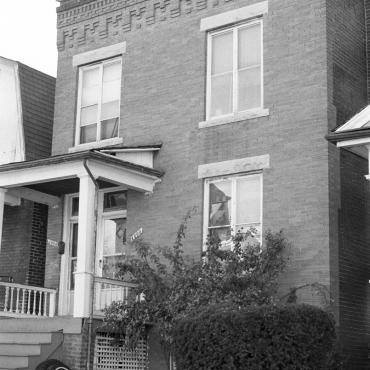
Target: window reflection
114	246
115	201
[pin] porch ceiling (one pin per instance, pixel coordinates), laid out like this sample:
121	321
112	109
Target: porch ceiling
59	174
61	187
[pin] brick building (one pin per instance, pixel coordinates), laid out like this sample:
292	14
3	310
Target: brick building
26	124
224	105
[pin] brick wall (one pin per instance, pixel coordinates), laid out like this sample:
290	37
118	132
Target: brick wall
15	253
354	259
36	270
23	244
75	348
347	94
37	97
314	70
367	23
163	101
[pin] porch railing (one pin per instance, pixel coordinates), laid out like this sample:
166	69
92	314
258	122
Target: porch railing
107	291
29	301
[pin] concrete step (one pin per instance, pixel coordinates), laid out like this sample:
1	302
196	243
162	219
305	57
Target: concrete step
12	362
69	325
20	349
25	338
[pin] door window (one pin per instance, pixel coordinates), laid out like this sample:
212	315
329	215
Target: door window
73	255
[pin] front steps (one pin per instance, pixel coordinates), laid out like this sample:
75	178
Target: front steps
25	343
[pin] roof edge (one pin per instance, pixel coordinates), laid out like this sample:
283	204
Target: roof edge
80	156
335	137
70	4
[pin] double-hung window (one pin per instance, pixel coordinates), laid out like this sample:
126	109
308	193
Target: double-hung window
234	70
233	204
98	111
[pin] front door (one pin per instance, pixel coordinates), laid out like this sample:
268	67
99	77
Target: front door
69	258
111	247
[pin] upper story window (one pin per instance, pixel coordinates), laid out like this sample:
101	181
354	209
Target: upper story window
234	70
98	110
233	204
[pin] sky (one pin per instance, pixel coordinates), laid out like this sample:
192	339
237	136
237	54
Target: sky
28	33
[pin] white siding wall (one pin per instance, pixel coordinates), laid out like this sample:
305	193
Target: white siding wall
11	129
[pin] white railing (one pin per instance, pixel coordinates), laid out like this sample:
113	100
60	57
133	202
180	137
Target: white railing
29	301
107	291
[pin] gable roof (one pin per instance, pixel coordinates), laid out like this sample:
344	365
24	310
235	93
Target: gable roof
360	121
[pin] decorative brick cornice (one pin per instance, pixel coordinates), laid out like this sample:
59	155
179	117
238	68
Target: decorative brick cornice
103	18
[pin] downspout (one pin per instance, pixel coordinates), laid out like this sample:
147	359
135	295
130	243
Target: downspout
90	322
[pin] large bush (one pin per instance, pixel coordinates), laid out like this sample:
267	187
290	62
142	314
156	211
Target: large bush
269	337
171	285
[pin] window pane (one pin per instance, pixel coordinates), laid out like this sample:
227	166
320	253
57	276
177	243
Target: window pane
248	196
110	110
112	71
109	128
73	255
89	96
249	49
72	275
115	201
219	203
75	206
89	115
249	89
88	134
74	240
90	77
221	95
111	91
222	233
114	244
222	53
251	239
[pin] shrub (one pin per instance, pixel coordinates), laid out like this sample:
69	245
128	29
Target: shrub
269	337
173	285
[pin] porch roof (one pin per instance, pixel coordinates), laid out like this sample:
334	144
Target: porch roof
103	167
354	134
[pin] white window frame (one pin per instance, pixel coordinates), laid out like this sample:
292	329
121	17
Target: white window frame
233	179
81	69
64	281
235	110
103	215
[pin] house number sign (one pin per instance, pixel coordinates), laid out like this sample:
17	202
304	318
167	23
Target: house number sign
136	234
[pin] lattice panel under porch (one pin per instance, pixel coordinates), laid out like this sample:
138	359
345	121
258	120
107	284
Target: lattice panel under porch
109	356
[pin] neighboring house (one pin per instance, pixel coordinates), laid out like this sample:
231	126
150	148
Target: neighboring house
26	127
220	104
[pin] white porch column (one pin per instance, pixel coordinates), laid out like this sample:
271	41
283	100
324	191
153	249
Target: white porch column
85	251
2	203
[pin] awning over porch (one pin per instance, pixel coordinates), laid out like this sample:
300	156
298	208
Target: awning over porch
354	134
48	175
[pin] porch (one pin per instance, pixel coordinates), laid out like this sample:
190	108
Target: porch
24	301
91	190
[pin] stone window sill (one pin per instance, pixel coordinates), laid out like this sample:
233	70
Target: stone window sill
236	117
96	145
